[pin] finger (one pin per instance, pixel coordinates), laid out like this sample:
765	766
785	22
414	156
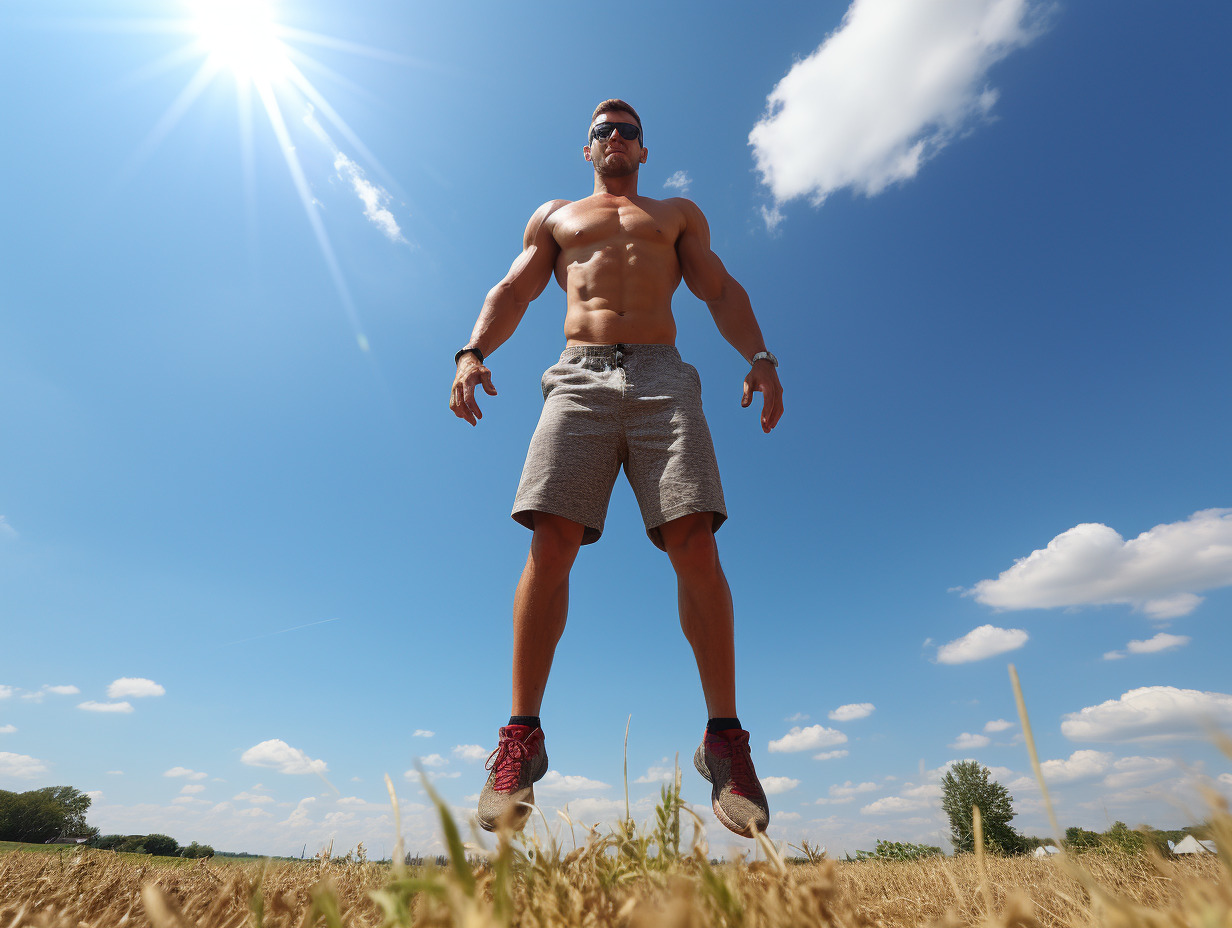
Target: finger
468	395
486	377
747	397
457	404
778	410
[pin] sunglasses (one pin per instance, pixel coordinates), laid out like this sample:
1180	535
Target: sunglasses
603	131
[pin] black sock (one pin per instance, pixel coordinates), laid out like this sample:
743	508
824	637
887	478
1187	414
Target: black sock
530	721
717	725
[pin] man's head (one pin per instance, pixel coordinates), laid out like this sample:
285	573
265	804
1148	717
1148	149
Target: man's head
613	154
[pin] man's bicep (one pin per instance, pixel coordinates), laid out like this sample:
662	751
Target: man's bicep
703	272
532	269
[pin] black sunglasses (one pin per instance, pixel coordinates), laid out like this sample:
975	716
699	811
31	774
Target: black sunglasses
603	131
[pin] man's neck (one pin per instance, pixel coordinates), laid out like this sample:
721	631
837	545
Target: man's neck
617	186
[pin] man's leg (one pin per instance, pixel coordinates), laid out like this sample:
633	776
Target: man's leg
540	607
705	607
723	758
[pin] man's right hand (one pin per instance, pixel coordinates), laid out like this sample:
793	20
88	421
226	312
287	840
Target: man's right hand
471	371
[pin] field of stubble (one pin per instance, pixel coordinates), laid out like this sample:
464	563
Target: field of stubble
631	877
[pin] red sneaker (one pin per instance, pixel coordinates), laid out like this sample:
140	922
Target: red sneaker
736	794
518	761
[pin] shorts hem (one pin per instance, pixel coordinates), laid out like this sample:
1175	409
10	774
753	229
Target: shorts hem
719	513
524	514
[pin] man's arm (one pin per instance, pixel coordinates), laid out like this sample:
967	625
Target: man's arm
503	309
729	304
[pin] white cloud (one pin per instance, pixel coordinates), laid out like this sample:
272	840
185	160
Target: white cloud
36	696
893	804
679	181
851	789
555	781
7	729
6	529
807	739
797	717
433	760
1225	779
1081	765
374	198
91	706
255	798
657	774
1160	572
134	686
1114	655
5	691
923	791
115	773
472	752
969	742
776	785
1161	642
883	93
997	725
67	690
185	773
191	789
982	642
852	711
280	756
1150	713
1132	771
433	775
423	733
831	755
94	794
21	765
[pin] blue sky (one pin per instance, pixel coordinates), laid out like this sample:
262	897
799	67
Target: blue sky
250	562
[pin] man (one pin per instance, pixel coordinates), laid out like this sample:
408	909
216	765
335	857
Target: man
620	395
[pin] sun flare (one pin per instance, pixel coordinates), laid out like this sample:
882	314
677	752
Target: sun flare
241	36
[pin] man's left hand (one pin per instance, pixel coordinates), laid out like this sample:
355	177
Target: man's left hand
764	378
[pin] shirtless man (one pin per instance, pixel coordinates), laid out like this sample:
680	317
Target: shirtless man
620	395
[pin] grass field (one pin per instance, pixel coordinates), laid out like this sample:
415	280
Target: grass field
629	877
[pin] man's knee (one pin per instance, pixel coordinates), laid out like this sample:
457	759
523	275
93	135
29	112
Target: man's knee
555	542
690	543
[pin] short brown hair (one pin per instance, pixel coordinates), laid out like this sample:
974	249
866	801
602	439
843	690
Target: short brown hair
608	106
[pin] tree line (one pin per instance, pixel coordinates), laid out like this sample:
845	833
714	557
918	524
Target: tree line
57	814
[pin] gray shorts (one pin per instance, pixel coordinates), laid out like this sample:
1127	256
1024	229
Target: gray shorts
605	406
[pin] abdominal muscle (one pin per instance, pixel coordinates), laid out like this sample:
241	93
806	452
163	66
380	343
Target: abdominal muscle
614	302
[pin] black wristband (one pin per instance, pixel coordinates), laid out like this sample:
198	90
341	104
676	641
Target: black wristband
462	351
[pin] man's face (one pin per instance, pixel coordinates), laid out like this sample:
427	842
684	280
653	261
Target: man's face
615	156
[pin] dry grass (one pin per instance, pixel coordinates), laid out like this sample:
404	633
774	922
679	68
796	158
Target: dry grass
627	878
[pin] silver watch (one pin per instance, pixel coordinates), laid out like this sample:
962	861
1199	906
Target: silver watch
765	356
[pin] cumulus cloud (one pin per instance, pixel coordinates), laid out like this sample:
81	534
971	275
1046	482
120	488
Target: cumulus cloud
969	742
190	789
776	785
1150	713
471	752
66	690
91	706
134	686
807	739
852	711
278	755
1133	771
797	717
982	642
256	798
555	781
997	725
1081	765
1161	642
185	773
831	755
7	729
658	773
6	529
679	181
5	691
893	804
891	87
22	766
433	775
375	199
1160	572
423	733
433	760
845	792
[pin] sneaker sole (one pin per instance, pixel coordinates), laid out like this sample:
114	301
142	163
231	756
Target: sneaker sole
517	820
727	823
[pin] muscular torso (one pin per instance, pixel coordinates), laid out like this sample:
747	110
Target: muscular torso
619	267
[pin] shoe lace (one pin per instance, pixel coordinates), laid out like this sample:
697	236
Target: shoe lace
507	761
744	777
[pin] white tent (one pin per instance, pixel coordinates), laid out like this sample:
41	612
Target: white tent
1045	850
1191	845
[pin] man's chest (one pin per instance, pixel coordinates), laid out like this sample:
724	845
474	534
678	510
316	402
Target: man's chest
593	226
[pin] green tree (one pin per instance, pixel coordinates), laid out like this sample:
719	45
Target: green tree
40	815
969	784
161	845
198	850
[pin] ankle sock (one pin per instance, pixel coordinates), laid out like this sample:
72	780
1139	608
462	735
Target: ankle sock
530	721
717	725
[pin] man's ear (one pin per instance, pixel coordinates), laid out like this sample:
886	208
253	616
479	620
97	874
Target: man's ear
645	152
586	152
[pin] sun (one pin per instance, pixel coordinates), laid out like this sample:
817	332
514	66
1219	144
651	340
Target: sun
241	36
